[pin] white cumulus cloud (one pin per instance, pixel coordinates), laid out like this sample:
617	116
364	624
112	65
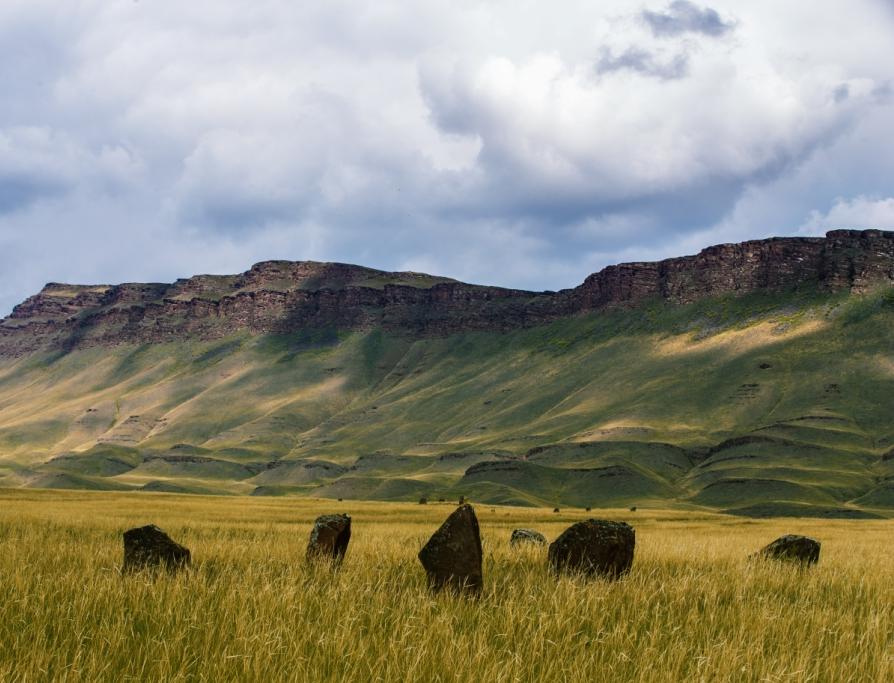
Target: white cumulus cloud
858	213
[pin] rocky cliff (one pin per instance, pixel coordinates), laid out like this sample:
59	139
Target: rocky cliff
843	259
282	296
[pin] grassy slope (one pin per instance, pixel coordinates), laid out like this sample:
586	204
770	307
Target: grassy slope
757	403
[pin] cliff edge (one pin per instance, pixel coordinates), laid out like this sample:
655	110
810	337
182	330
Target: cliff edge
279	297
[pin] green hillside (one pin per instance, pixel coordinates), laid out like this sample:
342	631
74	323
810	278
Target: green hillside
762	404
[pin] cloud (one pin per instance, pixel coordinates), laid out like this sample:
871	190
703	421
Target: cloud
42	164
558	145
518	147
643	62
858	213
34	164
682	17
841	92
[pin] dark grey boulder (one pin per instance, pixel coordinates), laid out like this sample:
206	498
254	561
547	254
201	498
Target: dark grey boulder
526	536
329	538
594	547
452	556
148	547
792	548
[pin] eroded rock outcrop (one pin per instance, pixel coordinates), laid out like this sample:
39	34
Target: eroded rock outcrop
843	259
284	296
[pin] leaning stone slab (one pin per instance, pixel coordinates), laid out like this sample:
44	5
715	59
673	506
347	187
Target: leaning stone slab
526	536
452	556
594	547
148	547
792	548
329	538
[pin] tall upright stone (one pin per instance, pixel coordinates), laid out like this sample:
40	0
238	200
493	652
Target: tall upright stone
148	547
792	548
452	557
329	538
594	547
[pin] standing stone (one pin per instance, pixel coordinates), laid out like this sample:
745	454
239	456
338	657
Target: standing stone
594	547
329	538
792	548
524	536
148	547
452	556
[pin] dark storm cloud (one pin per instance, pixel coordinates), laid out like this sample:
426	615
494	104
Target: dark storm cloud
643	62
683	16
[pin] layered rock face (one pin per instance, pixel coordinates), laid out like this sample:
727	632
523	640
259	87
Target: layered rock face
283	297
844	259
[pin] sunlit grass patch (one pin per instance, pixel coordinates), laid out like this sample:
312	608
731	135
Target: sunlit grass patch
692	608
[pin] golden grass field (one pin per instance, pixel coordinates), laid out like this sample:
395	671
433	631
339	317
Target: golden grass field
692	608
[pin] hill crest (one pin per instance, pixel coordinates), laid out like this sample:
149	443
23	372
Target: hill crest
275	297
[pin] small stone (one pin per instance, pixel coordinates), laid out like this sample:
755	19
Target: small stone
525	536
148	547
792	548
452	557
329	538
594	547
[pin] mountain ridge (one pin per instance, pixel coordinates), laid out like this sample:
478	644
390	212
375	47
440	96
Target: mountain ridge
283	296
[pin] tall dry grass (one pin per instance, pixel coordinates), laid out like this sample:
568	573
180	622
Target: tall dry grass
692	609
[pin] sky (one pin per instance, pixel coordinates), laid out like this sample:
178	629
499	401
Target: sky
508	142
